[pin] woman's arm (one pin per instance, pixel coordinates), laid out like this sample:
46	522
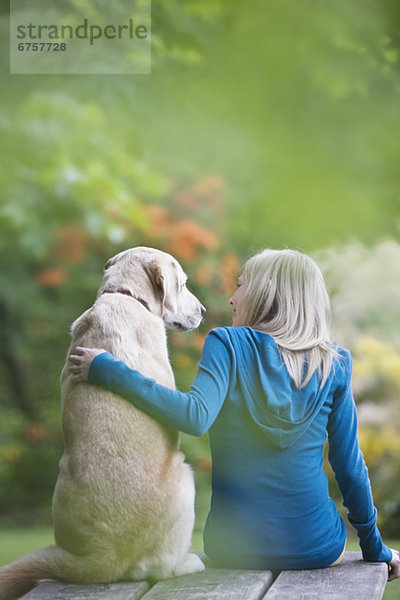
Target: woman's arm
192	412
351	472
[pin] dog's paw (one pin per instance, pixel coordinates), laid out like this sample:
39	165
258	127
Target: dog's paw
191	564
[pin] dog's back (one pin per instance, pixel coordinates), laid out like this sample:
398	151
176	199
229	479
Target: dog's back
116	457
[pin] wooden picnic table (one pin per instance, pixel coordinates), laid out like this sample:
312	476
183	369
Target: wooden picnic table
353	579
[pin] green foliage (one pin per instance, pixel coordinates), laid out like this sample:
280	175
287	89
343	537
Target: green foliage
76	208
268	124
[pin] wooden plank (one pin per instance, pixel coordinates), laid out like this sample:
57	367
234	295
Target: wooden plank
352	579
56	590
213	584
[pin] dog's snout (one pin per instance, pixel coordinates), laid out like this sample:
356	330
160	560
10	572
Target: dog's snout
202	310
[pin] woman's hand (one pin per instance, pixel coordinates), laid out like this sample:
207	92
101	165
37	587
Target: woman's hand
394	566
80	361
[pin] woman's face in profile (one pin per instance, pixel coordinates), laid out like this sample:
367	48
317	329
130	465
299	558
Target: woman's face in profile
236	301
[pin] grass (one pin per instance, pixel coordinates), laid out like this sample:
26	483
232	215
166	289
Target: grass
16	541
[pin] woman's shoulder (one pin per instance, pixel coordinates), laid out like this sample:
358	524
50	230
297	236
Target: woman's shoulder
239	336
230	331
343	355
222	334
343	364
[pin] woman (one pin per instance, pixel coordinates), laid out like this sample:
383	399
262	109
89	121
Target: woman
269	389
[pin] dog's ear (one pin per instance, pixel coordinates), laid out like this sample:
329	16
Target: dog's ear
109	263
161	284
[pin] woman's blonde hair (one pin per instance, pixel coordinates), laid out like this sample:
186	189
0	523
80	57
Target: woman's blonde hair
285	296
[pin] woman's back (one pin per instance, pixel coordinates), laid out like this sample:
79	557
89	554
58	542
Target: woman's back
267	450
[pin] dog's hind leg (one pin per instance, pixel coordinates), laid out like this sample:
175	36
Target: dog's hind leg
180	535
190	564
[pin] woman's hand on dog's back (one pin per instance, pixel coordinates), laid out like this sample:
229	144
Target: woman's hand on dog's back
80	360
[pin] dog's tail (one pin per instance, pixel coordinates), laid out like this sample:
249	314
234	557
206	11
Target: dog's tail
20	576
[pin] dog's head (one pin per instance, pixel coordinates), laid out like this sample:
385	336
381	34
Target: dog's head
157	280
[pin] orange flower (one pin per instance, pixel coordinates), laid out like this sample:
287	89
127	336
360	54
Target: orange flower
203	274
35	433
52	277
186	199
210	185
188	238
230	269
159	220
72	244
208	190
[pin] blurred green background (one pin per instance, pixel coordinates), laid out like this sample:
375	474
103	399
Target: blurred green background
266	123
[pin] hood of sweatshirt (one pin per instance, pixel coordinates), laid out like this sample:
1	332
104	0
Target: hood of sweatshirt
281	410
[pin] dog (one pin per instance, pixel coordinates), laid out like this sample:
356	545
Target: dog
123	505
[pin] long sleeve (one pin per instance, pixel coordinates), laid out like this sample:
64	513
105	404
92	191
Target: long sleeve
351	472
192	412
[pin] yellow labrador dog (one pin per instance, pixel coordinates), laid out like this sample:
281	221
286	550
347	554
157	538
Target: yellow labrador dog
123	504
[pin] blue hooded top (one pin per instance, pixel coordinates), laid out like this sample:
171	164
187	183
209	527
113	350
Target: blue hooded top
270	504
